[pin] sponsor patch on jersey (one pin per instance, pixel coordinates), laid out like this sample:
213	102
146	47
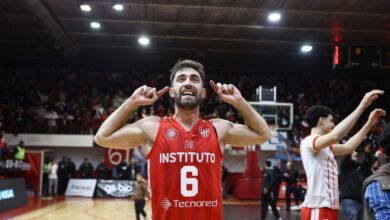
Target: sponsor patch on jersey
189	144
171	134
204	132
165	204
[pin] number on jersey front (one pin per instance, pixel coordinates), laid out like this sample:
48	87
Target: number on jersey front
189	185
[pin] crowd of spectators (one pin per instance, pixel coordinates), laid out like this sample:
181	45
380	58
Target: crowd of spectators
78	101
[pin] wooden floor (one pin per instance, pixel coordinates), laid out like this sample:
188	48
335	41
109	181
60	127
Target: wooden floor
85	208
73	208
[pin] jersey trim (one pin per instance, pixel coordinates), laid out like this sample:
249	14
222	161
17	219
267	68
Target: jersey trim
160	128
216	136
314	144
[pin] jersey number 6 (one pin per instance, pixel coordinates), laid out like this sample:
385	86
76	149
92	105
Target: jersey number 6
186	182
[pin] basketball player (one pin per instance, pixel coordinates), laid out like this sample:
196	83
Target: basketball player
318	152
184	151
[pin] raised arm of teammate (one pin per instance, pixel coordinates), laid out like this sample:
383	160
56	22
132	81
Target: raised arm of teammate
113	133
354	142
342	129
256	130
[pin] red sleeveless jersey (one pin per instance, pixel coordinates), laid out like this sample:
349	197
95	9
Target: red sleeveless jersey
185	172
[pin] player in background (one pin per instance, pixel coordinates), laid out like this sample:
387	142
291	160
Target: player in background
318	152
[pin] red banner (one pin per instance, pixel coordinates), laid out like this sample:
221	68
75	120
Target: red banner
32	177
114	157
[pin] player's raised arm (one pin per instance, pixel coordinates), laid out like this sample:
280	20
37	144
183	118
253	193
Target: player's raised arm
354	142
342	129
113	133
255	131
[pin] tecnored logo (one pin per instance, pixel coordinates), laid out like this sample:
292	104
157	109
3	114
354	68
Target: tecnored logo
165	203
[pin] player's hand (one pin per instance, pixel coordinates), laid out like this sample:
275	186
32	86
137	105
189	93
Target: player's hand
145	95
265	190
227	92
370	97
374	116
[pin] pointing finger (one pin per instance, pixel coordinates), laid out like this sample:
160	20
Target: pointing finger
216	88
162	91
376	92
154	98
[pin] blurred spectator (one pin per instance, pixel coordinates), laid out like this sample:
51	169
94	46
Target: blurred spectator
376	188
87	123
291	176
45	179
20	151
71	168
86	169
102	170
268	192
123	171
3	146
53	179
133	169
140	192
63	175
51	116
278	175
352	175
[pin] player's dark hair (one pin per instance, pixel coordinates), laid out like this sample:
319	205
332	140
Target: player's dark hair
182	64
314	113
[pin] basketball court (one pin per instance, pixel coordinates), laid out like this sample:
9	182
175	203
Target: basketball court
66	65
87	208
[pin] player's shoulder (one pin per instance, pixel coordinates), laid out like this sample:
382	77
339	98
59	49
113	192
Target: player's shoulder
149	122
308	140
220	122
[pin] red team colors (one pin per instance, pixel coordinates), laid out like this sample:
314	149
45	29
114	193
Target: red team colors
185	172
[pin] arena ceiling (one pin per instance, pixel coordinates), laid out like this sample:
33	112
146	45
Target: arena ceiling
222	33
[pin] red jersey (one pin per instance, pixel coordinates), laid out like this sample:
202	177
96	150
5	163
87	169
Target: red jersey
185	172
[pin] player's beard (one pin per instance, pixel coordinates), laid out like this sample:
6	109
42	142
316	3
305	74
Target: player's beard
187	104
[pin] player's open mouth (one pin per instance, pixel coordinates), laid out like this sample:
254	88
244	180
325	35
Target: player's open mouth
187	94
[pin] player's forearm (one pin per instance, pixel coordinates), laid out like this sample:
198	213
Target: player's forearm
253	119
342	129
116	120
357	139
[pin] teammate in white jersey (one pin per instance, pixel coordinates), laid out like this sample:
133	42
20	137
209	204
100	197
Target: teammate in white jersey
318	152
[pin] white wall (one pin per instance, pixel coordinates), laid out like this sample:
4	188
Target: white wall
52	140
94	154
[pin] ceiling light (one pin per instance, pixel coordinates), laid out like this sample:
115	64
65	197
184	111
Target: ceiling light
95	25
274	16
117	7
144	41
306	48
85	7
